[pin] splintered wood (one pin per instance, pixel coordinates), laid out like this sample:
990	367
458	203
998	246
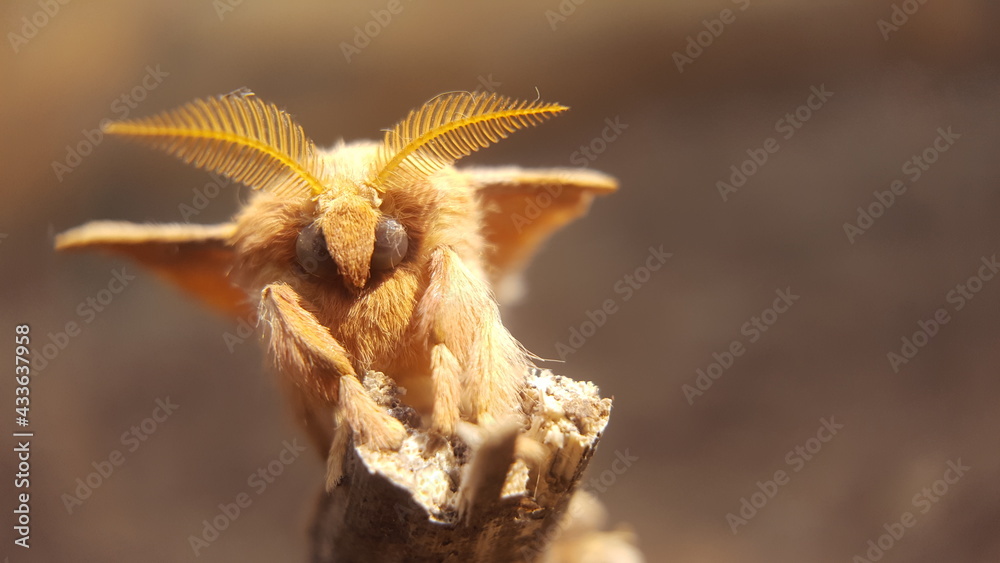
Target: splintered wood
485	498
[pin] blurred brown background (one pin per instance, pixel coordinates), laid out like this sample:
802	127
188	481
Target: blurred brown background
825	357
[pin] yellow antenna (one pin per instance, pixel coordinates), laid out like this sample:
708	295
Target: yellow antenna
236	135
447	128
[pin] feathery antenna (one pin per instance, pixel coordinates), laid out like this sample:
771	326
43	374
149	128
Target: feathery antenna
447	128
236	135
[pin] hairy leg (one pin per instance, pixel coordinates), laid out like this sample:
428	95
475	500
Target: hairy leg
306	353
471	349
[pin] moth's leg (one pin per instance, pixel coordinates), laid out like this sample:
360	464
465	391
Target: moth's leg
337	452
446	375
473	357
316	364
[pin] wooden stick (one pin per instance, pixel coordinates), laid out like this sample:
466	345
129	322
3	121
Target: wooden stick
498	497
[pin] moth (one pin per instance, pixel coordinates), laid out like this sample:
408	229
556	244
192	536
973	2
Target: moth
369	256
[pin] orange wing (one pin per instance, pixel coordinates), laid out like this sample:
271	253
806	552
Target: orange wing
196	258
523	207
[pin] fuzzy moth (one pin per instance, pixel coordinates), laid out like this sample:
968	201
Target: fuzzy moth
367	256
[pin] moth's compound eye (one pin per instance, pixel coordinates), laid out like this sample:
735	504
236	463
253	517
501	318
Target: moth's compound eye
390	244
311	253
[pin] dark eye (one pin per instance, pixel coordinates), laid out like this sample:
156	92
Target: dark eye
390	244
311	252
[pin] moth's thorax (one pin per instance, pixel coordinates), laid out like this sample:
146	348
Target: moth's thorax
350	161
